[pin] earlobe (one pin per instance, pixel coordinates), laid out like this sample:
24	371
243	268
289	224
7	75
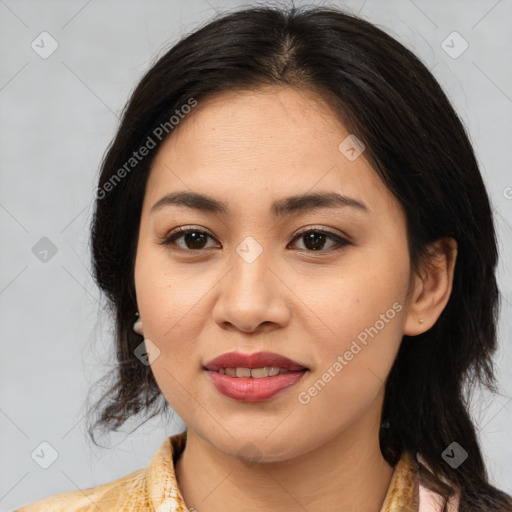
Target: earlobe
137	326
433	288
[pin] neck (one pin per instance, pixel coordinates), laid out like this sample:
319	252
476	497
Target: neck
346	473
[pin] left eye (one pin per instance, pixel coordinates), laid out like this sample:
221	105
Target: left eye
314	239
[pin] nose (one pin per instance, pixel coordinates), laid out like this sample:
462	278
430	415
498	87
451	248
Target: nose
252	297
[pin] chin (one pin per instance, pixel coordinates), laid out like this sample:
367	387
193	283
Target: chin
255	447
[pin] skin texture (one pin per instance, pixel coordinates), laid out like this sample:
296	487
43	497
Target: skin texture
249	149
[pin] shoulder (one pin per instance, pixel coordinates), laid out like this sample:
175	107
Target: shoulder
145	490
129	490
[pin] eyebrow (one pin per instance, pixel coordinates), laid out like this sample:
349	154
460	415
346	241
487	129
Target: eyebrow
279	208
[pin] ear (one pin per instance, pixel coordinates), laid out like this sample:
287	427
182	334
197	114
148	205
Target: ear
432	288
137	326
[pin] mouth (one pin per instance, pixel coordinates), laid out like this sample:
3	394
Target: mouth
253	377
254	373
255	361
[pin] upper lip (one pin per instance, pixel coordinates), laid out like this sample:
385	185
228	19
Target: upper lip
255	360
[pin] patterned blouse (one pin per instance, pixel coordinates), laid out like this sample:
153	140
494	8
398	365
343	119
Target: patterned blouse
155	489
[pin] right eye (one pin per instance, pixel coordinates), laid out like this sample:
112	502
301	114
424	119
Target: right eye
192	236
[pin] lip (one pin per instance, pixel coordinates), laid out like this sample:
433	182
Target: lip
249	389
255	360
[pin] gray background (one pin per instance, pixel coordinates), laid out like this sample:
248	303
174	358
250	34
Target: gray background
58	115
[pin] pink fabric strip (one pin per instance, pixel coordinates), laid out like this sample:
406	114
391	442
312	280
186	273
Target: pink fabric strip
431	501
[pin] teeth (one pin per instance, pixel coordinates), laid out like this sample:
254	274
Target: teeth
243	372
256	373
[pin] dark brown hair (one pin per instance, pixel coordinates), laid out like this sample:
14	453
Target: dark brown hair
417	145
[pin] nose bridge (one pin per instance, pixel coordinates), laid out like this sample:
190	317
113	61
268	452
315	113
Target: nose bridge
250	295
249	268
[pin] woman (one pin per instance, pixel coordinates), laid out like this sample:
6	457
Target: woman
296	241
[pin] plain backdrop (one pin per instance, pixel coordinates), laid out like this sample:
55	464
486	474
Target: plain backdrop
58	115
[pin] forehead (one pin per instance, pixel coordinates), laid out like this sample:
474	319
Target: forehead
262	145
257	121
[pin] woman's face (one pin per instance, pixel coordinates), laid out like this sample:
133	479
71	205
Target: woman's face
246	282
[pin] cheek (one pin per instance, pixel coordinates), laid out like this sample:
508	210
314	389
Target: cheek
367	338
368	295
166	299
362	317
353	369
168	313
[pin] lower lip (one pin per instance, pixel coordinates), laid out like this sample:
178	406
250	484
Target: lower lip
249	389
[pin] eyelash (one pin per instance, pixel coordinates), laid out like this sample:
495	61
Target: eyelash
181	231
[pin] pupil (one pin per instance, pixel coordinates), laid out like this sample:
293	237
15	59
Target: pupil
313	238
194	236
